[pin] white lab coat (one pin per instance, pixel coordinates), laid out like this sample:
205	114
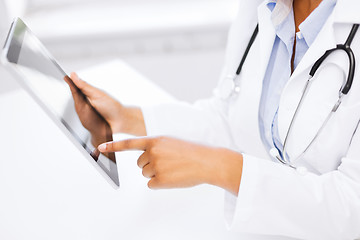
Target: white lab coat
274	199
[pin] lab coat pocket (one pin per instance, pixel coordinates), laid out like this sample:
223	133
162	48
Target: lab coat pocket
333	142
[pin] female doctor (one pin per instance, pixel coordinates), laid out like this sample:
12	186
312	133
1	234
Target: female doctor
285	146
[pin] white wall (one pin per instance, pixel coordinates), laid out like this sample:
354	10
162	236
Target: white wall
38	204
177	44
6	81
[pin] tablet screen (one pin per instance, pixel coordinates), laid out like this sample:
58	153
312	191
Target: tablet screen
46	80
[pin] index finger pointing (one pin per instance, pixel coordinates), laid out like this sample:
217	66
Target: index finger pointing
127	144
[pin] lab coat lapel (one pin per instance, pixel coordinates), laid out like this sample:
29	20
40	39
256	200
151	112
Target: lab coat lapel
293	90
291	94
344	12
324	41
252	82
245	116
266	37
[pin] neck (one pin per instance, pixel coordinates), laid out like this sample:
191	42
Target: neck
302	9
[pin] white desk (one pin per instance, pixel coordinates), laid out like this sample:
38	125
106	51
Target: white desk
50	191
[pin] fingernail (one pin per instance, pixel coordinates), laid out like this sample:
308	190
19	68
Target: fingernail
102	147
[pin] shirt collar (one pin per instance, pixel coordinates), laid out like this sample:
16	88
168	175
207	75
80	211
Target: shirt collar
280	10
312	25
282	18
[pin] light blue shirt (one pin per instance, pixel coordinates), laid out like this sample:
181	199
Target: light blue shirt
279	68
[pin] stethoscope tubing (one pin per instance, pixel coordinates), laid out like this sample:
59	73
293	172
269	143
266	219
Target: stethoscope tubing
346	47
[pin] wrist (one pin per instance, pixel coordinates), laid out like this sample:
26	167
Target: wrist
226	170
131	121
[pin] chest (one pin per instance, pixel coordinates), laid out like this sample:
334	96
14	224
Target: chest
333	141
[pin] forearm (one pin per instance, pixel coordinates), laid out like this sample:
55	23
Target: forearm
225	170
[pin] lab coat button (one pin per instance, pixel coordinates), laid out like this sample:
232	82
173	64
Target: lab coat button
299	35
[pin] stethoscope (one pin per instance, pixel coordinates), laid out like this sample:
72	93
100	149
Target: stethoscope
283	158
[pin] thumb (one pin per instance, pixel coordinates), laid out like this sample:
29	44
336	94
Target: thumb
85	88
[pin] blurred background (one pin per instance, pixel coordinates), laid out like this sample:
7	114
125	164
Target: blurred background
178	44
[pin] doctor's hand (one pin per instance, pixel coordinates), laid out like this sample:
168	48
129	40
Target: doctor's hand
119	117
173	163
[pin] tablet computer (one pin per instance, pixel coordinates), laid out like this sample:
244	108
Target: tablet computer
48	84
